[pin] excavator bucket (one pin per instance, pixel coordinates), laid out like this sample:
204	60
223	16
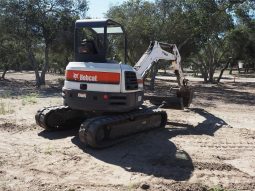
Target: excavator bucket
187	94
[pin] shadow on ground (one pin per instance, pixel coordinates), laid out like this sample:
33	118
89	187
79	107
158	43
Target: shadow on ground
206	94
208	127
230	94
53	135
14	88
151	153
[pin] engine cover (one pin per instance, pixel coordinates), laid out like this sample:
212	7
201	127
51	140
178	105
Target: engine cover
107	87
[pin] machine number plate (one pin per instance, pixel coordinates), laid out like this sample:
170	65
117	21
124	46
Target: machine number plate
82	95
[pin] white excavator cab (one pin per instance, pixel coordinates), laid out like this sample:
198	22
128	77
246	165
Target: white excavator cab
94	80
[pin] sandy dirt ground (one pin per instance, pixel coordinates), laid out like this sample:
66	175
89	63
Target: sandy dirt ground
211	145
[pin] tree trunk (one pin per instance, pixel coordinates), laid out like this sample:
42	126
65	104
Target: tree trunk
33	62
232	64
211	73
205	76
4	72
46	64
222	70
231	68
154	71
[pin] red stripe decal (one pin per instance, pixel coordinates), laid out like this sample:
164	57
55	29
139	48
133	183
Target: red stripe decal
93	76
140	81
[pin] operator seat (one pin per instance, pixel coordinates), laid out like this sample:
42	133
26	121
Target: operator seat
88	47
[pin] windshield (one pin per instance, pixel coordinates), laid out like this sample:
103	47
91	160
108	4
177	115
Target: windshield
110	30
100	41
89	41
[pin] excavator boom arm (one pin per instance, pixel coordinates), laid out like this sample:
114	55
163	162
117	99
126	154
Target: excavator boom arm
155	53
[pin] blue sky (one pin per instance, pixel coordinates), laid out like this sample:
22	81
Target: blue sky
97	8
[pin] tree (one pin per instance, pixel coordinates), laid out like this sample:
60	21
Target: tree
10	50
209	58
224	68
139	21
191	24
205	31
62	45
36	24
241	39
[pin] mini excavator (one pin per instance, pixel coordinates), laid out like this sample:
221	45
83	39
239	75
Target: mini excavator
104	97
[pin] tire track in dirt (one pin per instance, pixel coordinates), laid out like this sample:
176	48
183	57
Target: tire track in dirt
233	139
231	180
214	166
211	155
223	145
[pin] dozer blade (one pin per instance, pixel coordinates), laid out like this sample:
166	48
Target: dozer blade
105	131
183	99
59	117
167	102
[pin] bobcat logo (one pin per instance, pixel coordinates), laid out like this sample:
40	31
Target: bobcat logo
75	76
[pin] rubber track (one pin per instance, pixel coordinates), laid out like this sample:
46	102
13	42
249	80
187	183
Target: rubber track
42	117
89	129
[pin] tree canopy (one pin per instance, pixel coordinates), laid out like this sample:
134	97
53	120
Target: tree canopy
37	29
38	34
207	32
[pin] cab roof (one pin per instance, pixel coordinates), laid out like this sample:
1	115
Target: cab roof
98	25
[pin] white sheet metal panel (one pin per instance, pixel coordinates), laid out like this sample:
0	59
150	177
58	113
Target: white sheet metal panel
101	67
91	66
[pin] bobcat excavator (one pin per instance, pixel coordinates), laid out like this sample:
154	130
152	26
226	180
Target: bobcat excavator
104	97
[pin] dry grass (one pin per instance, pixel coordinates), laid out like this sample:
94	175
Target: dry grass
29	99
5	108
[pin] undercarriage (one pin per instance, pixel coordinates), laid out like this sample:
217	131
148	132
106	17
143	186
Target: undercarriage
104	130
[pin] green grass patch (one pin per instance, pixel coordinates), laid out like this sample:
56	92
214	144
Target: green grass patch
29	99
5	94
48	150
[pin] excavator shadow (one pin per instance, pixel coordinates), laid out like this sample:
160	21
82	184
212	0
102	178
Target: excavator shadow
52	135
152	152
208	127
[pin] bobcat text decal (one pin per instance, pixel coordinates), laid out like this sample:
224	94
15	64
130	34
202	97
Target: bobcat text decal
93	76
85	78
